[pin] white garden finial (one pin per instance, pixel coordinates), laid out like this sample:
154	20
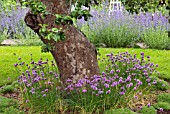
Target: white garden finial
114	6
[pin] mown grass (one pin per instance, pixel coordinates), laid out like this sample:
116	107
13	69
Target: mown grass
9	56
160	57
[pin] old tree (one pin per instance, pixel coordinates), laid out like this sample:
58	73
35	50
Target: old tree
53	21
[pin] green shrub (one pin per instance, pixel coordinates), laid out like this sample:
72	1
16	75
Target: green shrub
148	110
30	42
5	102
163	105
12	110
120	111
7	89
164	97
156	38
161	84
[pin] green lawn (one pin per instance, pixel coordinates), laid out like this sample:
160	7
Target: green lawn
8	59
160	57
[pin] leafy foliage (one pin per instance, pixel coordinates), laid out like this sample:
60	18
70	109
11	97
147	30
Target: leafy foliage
144	5
164	97
120	111
164	105
148	110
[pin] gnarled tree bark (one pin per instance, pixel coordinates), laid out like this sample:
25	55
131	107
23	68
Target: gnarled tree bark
76	57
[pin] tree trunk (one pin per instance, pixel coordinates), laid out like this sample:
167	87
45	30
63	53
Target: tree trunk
76	57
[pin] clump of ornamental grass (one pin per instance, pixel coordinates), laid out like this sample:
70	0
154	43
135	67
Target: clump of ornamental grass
124	76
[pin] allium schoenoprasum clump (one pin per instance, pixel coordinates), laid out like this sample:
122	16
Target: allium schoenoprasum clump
124	76
39	85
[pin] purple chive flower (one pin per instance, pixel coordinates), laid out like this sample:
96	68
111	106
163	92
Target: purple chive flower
149	84
118	70
154	82
134	88
32	90
27	101
25	90
69	80
136	97
16	64
140	93
94	87
100	92
114	84
46	90
149	105
121	93
49	82
84	90
44	95
161	109
9	78
78	85
148	80
19	58
108	92
112	72
106	85
51	72
128	86
163	85
29	85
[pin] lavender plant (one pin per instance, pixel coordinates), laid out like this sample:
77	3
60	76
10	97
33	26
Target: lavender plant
154	29
12	21
114	30
122	29
122	78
